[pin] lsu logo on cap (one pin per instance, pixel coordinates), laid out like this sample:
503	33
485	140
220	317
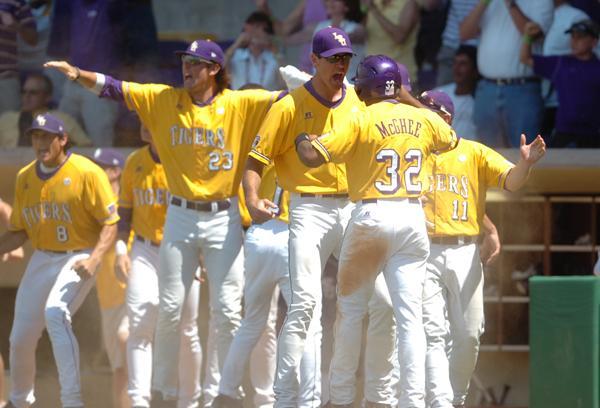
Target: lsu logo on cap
194	46
389	87
339	38
40	120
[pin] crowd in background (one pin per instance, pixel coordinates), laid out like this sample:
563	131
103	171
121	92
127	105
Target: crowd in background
478	51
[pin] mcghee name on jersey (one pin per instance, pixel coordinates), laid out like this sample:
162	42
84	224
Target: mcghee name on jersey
459	180
64	210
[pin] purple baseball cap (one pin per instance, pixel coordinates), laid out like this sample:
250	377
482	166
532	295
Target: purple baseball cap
438	101
405	76
108	157
331	41
47	123
206	50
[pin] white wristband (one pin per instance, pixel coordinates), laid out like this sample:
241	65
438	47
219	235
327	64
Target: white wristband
121	248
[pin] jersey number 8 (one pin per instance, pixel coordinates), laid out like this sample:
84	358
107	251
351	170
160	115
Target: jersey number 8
391	156
61	234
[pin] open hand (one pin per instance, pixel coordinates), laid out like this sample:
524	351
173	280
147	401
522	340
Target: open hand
63	66
533	152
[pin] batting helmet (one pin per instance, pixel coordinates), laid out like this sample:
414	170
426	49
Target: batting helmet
377	77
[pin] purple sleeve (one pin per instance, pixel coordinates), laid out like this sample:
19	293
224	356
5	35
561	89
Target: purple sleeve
124	223
113	89
545	66
281	95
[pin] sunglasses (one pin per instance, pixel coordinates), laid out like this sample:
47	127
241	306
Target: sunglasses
334	59
191	60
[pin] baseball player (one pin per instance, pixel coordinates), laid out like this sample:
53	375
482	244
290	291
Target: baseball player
64	204
384	149
266	271
454	283
111	292
143	205
319	205
201	132
5	211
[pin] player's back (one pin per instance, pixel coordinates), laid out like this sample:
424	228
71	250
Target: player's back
393	139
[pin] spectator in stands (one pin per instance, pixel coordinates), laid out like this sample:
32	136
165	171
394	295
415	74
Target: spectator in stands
392	27
338	12
298	27
250	59
83	32
36	98
557	42
576	78
461	91
446	57
15	18
508	102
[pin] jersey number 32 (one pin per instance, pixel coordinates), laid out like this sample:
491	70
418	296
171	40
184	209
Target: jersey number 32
391	157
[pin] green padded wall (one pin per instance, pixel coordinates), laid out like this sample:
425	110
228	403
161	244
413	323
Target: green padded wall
564	340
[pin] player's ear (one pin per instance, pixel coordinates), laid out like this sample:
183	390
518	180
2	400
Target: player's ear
214	69
314	58
65	142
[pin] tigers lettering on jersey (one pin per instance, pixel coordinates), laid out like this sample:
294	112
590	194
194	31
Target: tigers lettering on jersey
384	149
459	180
144	190
303	111
64	210
200	146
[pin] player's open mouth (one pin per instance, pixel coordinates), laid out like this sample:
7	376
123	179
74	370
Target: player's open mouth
338	77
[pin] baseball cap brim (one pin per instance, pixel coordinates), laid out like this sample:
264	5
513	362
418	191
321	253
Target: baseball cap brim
334	51
582	30
44	128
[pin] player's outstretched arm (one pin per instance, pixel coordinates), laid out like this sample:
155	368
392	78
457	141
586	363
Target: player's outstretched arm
11	240
5	211
86	268
308	155
85	78
530	154
122	259
260	209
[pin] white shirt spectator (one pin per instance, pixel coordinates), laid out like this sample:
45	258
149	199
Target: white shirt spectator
500	41
261	70
359	49
462	121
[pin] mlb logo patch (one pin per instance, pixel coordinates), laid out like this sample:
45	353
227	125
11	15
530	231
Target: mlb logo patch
256	141
112	209
308	115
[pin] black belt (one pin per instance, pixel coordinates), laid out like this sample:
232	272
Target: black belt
215	206
71	251
512	81
333	195
412	200
454	240
147	241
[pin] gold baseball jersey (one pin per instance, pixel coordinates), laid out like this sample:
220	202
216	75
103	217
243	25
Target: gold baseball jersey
66	209
385	149
203	148
304	111
144	190
110	290
459	180
270	190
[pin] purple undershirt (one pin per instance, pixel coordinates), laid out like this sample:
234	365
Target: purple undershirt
45	176
311	89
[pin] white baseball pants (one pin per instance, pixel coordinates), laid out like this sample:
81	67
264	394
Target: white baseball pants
390	236
48	295
381	360
317	226
453	287
142	310
266	268
219	236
